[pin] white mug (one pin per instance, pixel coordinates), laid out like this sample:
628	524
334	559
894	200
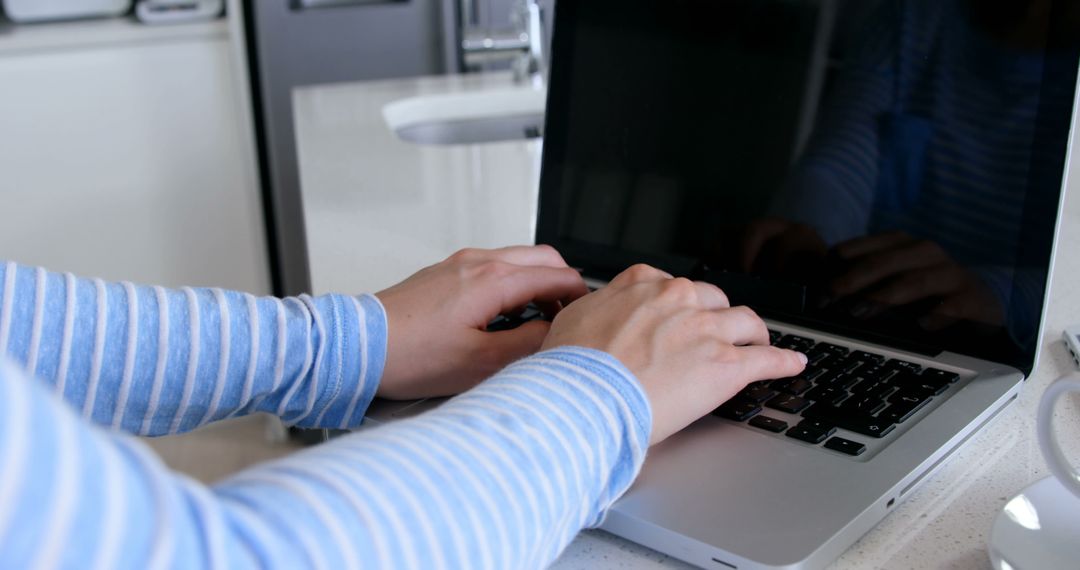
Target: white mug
1051	449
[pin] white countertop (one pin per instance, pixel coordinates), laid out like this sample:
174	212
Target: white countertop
378	208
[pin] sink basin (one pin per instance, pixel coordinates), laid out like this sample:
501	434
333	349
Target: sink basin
468	118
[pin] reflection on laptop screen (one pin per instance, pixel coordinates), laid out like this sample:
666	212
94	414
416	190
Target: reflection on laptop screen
888	169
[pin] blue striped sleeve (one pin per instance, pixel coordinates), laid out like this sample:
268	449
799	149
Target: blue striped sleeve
503	476
154	361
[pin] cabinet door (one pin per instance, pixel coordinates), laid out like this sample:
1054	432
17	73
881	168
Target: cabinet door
128	162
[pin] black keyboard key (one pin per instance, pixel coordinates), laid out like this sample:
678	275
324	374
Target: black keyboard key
873	388
507	322
788	403
935	383
935	374
845	446
918	383
799	339
502	323
812	373
881	391
833	348
821	425
774	336
862	404
938	383
837	380
904	377
756	394
737	410
869	426
769	424
850	365
863	385
821	411
926	388
877	372
818	358
877	359
809	434
799	343
909	398
827	394
901	411
853	421
898	364
794	386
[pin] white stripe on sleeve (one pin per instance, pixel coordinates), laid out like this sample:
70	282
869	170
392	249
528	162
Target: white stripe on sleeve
96	362
40	281
129	356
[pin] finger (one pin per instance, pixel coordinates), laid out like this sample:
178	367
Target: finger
520	285
866	245
711	296
541	255
639	273
768	362
741	326
882	265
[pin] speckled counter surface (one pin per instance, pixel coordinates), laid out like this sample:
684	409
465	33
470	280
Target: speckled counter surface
378	208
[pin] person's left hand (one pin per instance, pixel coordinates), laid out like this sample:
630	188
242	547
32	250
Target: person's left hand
438	345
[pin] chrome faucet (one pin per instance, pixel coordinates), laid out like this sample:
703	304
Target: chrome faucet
523	44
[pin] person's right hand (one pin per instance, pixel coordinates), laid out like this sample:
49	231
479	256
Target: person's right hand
688	348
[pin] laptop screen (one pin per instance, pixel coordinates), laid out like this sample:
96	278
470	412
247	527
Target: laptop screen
889	170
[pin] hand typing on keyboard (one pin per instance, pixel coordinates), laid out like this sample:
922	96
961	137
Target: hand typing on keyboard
442	313
689	349
861	392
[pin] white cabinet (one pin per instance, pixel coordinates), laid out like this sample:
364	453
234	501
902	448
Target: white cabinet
126	153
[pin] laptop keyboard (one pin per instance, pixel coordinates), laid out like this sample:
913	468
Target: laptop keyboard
858	391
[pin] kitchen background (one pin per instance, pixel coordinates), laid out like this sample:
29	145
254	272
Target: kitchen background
288	146
155	142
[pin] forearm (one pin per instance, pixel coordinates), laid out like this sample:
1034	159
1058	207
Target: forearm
152	360
503	476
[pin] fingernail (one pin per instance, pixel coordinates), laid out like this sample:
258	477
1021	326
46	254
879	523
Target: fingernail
802	357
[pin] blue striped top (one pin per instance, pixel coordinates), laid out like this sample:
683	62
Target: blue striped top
502	476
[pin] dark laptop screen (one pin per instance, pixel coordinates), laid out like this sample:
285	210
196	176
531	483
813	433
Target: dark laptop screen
889	170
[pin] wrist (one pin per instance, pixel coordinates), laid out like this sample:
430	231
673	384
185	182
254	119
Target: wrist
603	376
603	402
355	353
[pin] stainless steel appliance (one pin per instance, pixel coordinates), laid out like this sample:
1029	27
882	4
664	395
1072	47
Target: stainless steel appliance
291	43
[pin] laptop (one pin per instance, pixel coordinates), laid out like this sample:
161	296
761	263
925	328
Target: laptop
881	181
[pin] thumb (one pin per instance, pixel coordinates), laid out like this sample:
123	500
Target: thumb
513	344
